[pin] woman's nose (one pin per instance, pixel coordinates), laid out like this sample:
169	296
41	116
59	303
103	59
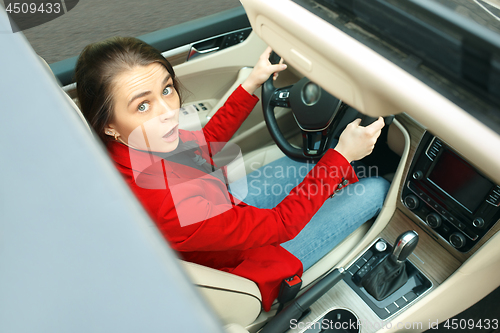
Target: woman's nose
166	111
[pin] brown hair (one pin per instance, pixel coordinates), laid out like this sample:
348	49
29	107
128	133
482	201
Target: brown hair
99	64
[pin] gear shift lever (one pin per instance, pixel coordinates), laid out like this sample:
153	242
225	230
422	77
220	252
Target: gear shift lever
404	246
389	273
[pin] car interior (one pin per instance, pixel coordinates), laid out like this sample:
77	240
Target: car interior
440	216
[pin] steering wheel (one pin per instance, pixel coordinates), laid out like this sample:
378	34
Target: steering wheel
316	112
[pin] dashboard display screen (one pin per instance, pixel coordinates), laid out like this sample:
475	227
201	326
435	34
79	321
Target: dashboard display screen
460	180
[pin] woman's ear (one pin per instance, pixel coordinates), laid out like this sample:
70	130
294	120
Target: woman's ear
109	130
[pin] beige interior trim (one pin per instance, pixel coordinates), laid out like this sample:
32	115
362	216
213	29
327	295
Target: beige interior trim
223	291
242	75
396	140
367	81
178	55
211	76
234	328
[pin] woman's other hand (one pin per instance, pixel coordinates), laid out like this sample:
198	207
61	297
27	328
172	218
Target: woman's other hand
261	72
357	141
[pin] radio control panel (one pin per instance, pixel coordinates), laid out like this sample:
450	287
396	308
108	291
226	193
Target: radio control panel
448	194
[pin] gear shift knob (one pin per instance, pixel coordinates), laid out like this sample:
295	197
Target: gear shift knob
404	246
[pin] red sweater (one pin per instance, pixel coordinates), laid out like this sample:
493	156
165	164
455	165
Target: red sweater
235	238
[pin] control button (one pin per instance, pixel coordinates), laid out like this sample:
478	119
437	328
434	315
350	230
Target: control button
392	308
411	202
493	201
360	263
445	229
364	270
196	108
457	240
381	246
201	104
410	296
367	255
478	222
418	175
204	108
353	269
460	226
284	94
401	302
433	220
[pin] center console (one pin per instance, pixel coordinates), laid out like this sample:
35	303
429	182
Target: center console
451	196
451	206
416	283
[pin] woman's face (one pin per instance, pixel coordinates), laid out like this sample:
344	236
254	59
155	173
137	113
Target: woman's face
146	109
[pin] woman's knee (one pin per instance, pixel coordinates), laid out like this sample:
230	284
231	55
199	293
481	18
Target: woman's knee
366	194
374	190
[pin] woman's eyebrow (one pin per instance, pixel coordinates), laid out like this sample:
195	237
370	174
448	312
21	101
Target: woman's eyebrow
144	93
165	80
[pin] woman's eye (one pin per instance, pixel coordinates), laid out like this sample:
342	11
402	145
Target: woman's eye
167	90
143	107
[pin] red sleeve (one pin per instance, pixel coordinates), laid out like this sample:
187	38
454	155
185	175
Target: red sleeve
243	227
227	120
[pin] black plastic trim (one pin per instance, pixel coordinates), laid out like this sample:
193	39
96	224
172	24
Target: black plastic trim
172	37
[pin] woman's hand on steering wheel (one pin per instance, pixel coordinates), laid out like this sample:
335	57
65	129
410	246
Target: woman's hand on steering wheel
261	72
357	141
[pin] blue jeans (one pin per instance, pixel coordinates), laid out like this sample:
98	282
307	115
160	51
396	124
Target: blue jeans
334	221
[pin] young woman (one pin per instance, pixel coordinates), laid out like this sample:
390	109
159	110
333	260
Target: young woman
130	95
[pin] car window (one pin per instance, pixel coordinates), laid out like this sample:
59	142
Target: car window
93	20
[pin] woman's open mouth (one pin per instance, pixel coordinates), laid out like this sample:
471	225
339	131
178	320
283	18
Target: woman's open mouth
171	135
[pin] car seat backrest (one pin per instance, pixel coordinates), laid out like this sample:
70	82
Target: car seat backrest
70	100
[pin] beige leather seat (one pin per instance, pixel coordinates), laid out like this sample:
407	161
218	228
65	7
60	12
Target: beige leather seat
237	300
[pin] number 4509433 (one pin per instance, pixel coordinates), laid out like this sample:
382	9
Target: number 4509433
32	8
486	324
